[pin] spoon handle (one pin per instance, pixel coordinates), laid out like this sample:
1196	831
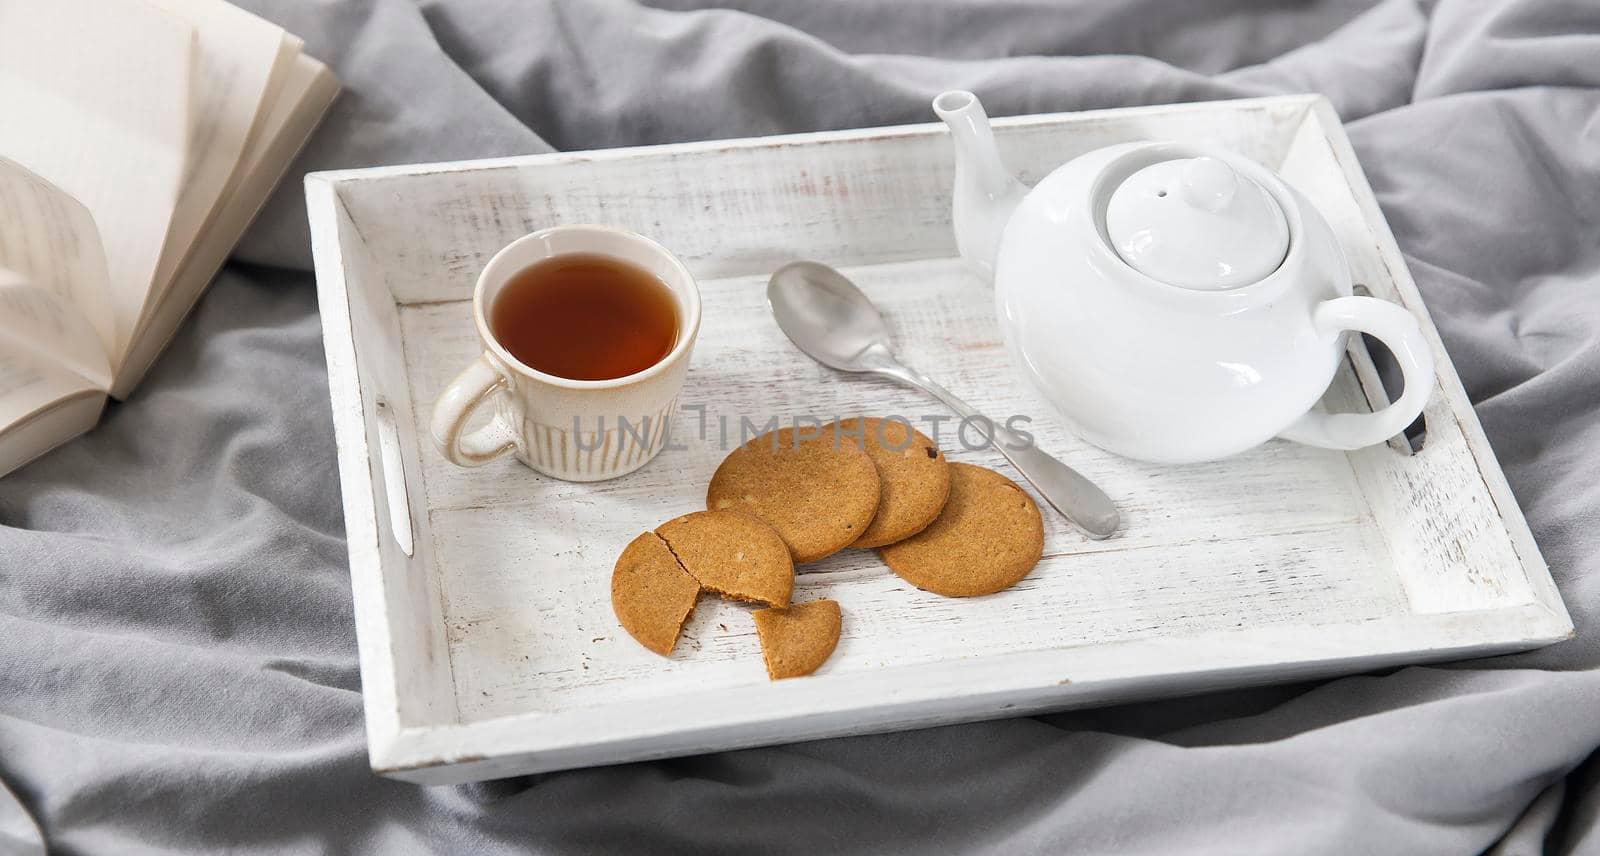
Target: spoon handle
1067	491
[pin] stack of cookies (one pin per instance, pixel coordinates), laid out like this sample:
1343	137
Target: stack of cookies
791	497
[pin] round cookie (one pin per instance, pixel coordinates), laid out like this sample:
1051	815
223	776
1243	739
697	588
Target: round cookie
988	537
651	594
913	475
818	495
733	555
798	640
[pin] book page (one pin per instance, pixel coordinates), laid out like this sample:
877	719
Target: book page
28	386
38	322
41	407
306	93
238	57
50	240
94	98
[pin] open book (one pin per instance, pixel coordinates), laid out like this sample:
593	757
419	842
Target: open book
138	138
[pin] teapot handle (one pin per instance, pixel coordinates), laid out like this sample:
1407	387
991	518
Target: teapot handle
1395	327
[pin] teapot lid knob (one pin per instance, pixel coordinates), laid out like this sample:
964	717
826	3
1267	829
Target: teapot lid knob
1197	223
1209	184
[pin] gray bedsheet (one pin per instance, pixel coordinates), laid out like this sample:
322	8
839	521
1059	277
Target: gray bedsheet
177	659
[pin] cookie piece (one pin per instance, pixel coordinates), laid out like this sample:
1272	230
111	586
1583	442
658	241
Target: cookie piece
797	640
818	495
732	554
988	537
651	594
913	478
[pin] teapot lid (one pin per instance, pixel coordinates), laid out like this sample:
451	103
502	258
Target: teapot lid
1196	223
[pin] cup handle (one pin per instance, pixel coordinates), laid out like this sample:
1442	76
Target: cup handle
1398	330
476	383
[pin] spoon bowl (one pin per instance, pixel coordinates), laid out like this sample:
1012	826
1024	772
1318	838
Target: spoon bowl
828	318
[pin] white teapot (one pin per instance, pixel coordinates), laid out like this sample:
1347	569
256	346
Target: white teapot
1176	303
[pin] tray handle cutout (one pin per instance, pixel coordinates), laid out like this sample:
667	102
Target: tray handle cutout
1377	372
394	478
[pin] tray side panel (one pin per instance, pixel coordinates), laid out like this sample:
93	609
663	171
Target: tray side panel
956	691
1453	529
406	679
857	198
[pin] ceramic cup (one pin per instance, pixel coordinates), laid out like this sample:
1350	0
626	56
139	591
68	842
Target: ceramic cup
576	430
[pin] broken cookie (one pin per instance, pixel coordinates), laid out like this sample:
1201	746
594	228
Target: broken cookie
798	640
651	593
660	574
732	554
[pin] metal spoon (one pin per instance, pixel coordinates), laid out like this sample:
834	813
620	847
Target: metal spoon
828	318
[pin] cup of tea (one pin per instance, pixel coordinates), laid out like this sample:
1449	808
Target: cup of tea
586	334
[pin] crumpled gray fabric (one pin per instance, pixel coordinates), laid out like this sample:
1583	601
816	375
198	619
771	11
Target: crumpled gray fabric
177	659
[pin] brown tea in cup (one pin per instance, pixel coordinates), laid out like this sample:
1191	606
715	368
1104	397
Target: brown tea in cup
585	316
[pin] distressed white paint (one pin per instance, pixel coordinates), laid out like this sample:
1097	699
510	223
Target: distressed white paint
492	650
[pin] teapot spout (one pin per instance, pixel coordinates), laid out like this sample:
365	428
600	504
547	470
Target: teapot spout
985	193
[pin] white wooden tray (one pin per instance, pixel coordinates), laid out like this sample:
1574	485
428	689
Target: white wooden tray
488	647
